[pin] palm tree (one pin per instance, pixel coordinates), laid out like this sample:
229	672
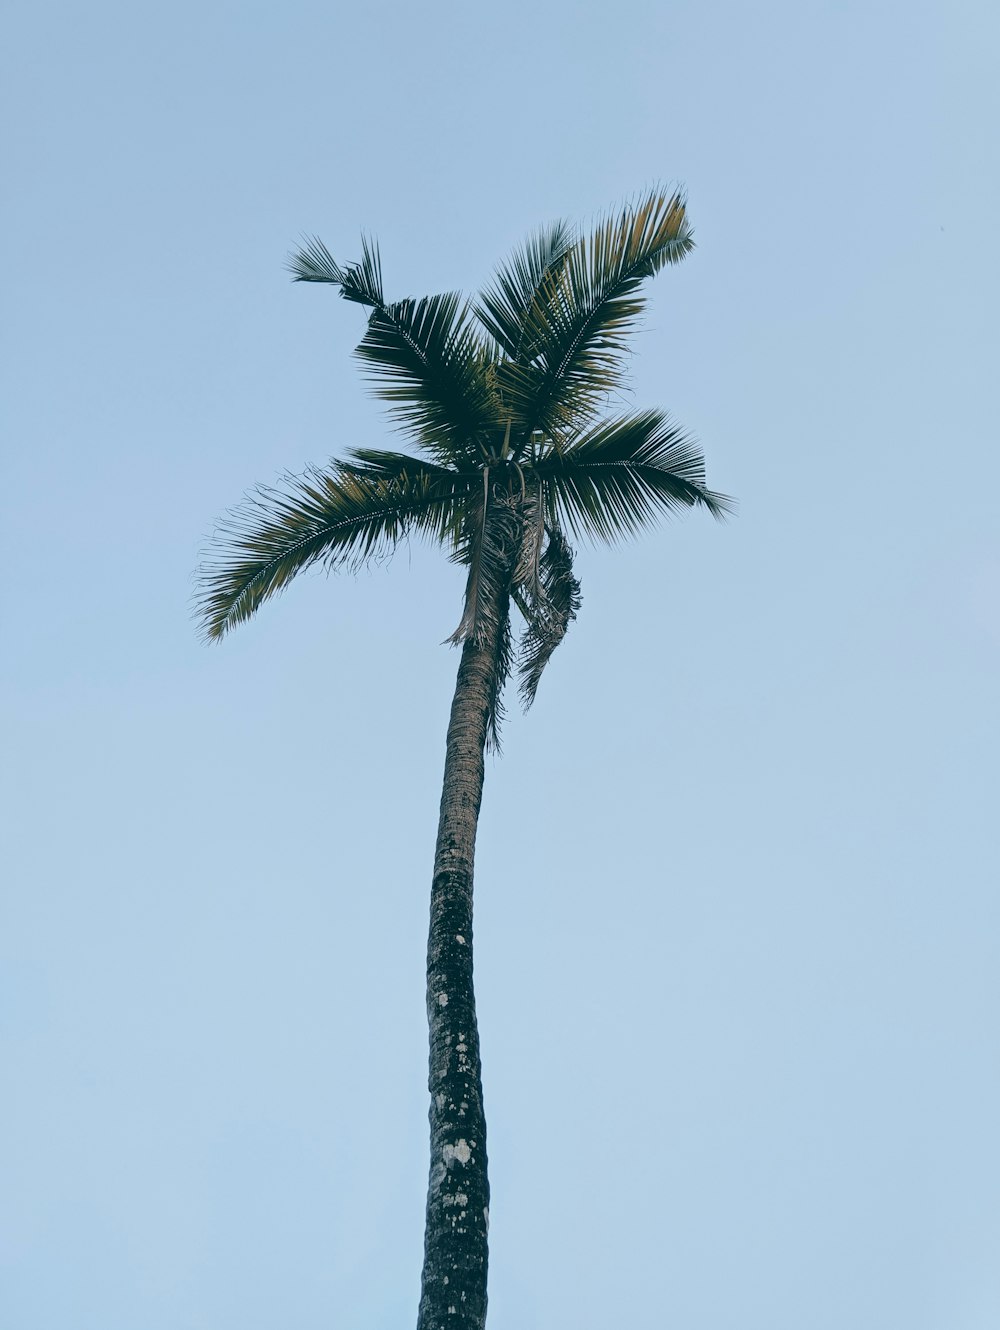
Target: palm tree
503	399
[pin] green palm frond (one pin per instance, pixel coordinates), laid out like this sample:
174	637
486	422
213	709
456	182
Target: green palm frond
621	475
345	516
549	611
360	282
505	307
577	332
424	357
386	465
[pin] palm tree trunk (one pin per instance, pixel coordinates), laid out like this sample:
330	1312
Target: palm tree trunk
453	1286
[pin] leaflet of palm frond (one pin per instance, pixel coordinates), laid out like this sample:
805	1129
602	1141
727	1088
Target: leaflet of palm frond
551	613
491	552
313	262
613	480
340	518
578	331
363	280
504	307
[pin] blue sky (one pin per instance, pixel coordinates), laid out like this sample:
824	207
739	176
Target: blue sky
737	920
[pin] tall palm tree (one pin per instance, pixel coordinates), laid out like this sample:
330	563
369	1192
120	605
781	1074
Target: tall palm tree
503	399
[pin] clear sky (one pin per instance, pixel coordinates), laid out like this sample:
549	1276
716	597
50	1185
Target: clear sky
738	935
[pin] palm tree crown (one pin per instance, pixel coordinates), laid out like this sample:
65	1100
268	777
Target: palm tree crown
502	398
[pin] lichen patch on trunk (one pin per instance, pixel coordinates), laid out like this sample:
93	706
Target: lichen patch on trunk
460	1151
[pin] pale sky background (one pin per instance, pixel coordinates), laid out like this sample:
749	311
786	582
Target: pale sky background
738	935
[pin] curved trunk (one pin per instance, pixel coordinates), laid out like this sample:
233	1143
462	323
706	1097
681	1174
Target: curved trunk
453	1286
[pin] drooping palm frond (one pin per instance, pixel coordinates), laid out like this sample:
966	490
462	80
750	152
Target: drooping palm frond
503	663
425	357
577	332
527	569
621	475
345	516
548	612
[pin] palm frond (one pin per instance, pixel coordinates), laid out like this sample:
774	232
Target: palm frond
527	569
345	516
387	465
577	332
502	665
620	476
549	612
425	357
505	306
360	282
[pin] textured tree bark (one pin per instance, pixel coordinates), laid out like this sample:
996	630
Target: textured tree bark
453	1286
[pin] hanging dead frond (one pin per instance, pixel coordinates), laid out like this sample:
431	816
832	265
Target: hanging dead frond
526	569
492	541
549	613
